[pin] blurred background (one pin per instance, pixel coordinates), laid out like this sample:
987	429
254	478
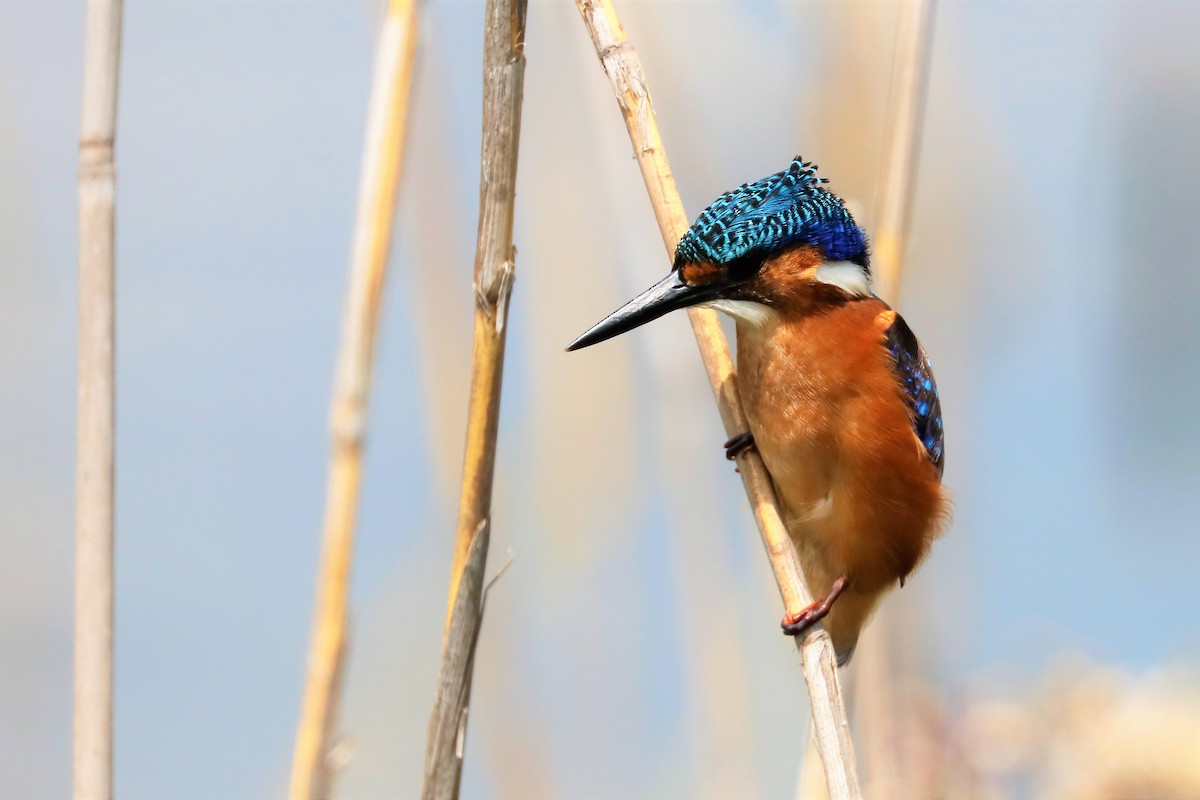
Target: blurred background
1048	648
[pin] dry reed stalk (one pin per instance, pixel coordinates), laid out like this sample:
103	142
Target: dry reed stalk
93	683
336	753
382	156
446	741
878	709
503	87
624	70
902	141
503	92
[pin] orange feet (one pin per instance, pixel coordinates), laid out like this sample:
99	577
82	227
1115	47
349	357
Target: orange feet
796	624
738	445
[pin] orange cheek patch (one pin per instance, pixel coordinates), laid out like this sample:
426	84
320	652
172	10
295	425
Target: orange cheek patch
699	274
794	262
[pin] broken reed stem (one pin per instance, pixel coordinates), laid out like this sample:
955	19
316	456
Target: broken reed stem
503	92
93	681
902	143
446	739
624	70
382	156
503	87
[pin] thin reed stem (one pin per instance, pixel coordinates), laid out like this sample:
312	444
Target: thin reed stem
93	689
503	92
902	143
624	70
878	674
382	156
503	88
446	741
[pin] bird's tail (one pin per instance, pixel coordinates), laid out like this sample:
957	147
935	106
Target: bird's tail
847	618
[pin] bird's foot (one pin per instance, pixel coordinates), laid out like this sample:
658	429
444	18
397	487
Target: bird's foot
814	612
738	445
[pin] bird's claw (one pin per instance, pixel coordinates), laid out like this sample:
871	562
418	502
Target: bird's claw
796	624
738	445
814	612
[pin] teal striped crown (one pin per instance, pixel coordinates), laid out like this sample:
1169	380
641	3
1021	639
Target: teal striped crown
787	208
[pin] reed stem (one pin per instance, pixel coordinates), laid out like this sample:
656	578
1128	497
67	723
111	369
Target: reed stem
495	265
624	71
94	514
902	144
503	88
382	156
878	673
503	92
446	741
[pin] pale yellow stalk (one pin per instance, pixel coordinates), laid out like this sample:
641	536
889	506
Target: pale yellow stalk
878	673
382	156
93	684
902	142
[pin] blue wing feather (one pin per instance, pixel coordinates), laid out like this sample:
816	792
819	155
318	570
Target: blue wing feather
916	375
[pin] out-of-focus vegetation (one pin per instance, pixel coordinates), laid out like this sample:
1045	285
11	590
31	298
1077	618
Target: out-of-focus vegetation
1080	731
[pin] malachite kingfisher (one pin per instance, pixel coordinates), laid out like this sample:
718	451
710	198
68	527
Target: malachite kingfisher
839	395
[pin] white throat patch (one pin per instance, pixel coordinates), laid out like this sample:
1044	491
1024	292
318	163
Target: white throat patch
756	315
845	275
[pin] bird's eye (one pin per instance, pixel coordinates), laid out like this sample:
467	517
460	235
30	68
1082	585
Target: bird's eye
744	268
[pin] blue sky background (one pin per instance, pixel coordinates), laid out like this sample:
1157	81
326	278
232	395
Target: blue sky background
632	649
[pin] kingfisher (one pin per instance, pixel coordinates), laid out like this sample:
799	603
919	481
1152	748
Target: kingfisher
839	394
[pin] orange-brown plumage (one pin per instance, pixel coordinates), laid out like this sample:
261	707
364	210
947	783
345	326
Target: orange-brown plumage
861	497
839	395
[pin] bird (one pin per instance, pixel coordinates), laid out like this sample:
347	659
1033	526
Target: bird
839	395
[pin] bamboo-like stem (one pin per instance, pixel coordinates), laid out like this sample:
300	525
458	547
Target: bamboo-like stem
503	87
503	92
902	141
624	70
382	156
94	516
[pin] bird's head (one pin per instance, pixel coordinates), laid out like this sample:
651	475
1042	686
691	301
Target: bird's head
778	245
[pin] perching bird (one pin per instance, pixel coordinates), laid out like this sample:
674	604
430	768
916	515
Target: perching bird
839	394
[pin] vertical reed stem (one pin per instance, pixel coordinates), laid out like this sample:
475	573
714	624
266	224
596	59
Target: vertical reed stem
877	673
503	87
382	156
902	143
503	92
624	70
94	517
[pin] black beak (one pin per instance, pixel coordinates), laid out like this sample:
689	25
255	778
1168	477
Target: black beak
667	295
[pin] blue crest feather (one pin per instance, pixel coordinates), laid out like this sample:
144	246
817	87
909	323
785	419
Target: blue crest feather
784	209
